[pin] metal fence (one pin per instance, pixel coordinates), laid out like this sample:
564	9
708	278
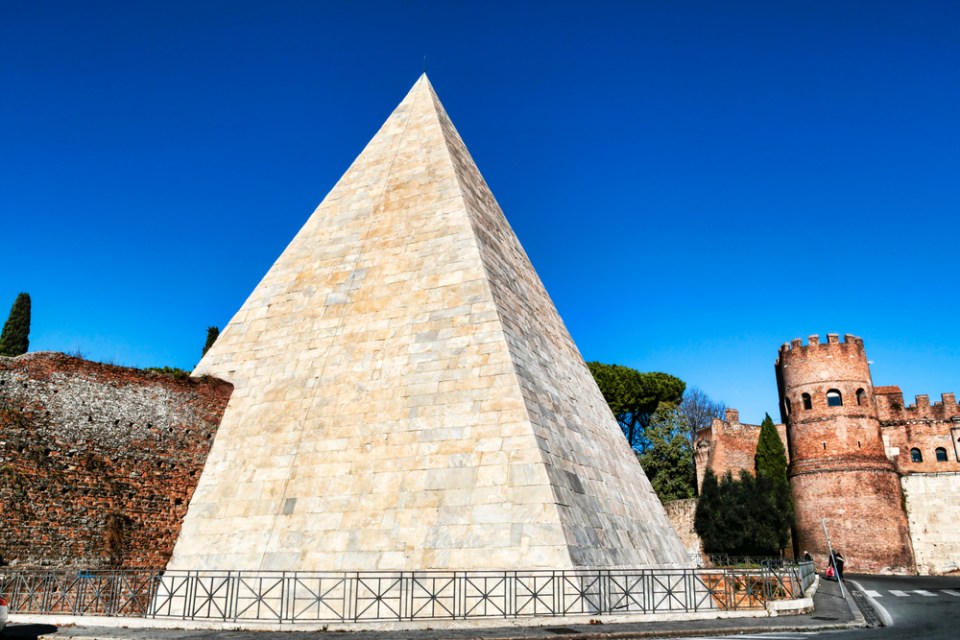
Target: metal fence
292	597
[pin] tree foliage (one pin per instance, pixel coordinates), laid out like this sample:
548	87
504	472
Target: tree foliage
739	516
668	458
634	396
753	514
770	463
699	409
212	334
15	337
771	457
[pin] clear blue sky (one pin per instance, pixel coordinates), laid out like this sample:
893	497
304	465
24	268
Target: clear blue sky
695	182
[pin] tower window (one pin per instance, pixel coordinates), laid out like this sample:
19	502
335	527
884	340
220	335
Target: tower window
915	455
806	401
786	403
941	454
861	397
834	399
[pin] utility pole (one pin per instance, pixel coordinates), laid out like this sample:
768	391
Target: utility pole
830	562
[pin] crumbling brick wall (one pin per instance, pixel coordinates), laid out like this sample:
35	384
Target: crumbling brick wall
729	446
98	462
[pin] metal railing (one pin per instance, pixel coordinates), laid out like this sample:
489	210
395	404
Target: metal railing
292	597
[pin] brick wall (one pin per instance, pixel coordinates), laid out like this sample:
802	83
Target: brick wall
839	471
98	462
920	426
728	445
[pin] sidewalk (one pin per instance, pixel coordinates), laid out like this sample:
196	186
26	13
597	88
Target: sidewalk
832	611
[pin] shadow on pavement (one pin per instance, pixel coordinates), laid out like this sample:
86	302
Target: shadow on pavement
28	631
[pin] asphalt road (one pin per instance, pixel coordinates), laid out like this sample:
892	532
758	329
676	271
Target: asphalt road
925	607
910	607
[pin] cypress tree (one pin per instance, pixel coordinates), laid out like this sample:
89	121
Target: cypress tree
15	338
771	458
212	334
706	518
770	464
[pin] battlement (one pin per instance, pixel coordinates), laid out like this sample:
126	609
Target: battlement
892	408
729	445
795	348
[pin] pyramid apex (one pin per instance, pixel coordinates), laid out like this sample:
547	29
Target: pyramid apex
401	364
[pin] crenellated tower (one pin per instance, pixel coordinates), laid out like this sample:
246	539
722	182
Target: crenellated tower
838	466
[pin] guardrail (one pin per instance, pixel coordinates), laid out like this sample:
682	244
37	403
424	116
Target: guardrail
292	597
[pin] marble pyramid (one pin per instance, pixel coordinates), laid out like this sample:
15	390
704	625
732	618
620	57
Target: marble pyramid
406	396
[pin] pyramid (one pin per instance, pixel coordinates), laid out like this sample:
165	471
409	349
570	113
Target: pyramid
407	396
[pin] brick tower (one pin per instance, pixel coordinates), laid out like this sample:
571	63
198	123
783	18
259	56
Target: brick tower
838	467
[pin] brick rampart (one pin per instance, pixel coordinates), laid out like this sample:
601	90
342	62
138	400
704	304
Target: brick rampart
729	446
98	462
839	470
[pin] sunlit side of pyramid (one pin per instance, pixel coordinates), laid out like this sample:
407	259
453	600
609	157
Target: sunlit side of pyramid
406	395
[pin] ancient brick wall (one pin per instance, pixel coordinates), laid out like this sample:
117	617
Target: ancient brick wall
934	515
928	429
98	462
839	469
728	445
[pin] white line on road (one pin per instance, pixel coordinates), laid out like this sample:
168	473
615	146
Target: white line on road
900	594
882	613
763	636
952	592
872	593
924	592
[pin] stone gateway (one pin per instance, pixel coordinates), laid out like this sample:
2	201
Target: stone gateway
407	396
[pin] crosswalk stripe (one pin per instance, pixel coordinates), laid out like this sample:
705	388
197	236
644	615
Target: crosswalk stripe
775	636
924	592
899	594
952	592
872	593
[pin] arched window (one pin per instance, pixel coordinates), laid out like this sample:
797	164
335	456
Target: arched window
941	454
806	401
786	403
834	399
915	455
861	397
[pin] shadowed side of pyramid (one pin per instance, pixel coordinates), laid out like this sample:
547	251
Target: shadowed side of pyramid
406	395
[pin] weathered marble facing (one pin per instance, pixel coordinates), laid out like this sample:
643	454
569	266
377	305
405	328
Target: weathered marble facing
406	395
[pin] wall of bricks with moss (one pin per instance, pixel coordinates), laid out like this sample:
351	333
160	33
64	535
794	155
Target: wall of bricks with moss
98	462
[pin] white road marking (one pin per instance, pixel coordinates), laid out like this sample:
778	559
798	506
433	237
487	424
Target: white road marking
757	636
900	594
882	613
952	592
771	636
873	594
924	592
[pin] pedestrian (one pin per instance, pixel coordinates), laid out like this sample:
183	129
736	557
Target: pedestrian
836	560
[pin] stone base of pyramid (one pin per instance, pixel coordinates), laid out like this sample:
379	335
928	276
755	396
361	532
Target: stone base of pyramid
406	396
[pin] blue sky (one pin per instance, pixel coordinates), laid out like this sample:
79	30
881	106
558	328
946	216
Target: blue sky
695	182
